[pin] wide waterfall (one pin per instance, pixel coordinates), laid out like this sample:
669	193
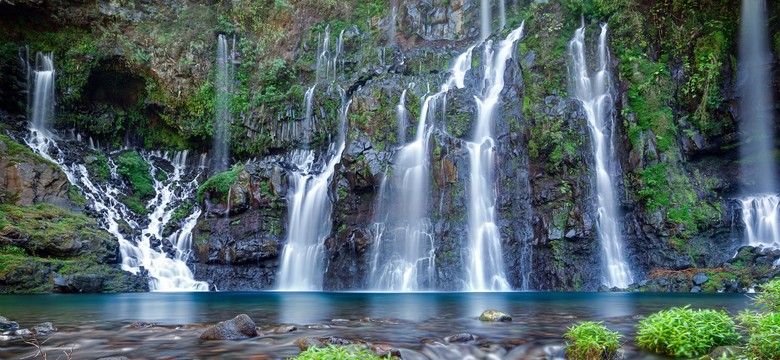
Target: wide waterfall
485	269
223	117
166	273
309	212
595	94
757	129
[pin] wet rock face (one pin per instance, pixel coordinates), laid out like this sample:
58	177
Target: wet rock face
27	179
440	19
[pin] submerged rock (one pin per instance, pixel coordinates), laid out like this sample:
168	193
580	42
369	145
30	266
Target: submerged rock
43	329
494	315
7	325
305	343
460	338
237	328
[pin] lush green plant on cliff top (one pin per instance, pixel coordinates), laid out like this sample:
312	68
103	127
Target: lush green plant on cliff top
136	170
591	340
220	183
683	332
332	352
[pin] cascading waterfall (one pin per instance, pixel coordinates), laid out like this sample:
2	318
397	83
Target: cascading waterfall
310	213
400	113
486	17
595	94
403	250
485	269
167	274
223	118
757	129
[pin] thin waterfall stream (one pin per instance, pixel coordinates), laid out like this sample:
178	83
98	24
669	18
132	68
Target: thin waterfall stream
594	91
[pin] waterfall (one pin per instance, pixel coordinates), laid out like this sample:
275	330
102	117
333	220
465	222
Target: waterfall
757	129
501	14
223	118
404	257
403	250
309	209
594	92
42	108
484	19
485	269
400	112
138	255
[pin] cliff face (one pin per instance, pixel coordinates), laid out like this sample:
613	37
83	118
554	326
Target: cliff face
141	73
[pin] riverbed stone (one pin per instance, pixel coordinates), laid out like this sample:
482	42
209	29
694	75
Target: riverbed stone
494	316
460	338
700	278
306	342
240	327
7	325
43	329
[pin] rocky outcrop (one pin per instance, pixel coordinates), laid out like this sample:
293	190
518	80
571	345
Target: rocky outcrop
27	179
237	328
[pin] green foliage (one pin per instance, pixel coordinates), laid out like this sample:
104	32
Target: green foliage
763	327
135	205
591	340
703	84
99	169
12	250
682	332
18	153
136	170
332	352
220	183
182	211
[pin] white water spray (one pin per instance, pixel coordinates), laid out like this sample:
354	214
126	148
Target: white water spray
223	118
594	91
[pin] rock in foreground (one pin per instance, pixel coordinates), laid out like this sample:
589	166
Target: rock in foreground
494	315
237	328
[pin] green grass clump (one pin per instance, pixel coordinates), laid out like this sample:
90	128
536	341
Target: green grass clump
99	169
682	332
135	205
591	340
220	183
136	170
332	352
12	250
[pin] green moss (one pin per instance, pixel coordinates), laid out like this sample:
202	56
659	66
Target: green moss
135	204
182	211
99	169
136	170
220	183
18	153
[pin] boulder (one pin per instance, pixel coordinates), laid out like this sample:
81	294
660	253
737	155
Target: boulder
237	328
43	329
495	316
7	325
700	278
305	343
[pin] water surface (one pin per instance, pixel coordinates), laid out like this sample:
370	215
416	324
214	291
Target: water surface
97	324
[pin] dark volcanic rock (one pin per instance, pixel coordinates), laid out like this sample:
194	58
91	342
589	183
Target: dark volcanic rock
240	327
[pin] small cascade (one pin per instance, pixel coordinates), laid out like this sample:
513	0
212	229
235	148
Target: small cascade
757	129
594	91
326	73
400	112
403	251
485	266
309	213
761	216
42	108
223	118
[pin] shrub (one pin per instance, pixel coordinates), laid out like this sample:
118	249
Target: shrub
136	170
683	332
764	327
220	183
332	352
591	340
